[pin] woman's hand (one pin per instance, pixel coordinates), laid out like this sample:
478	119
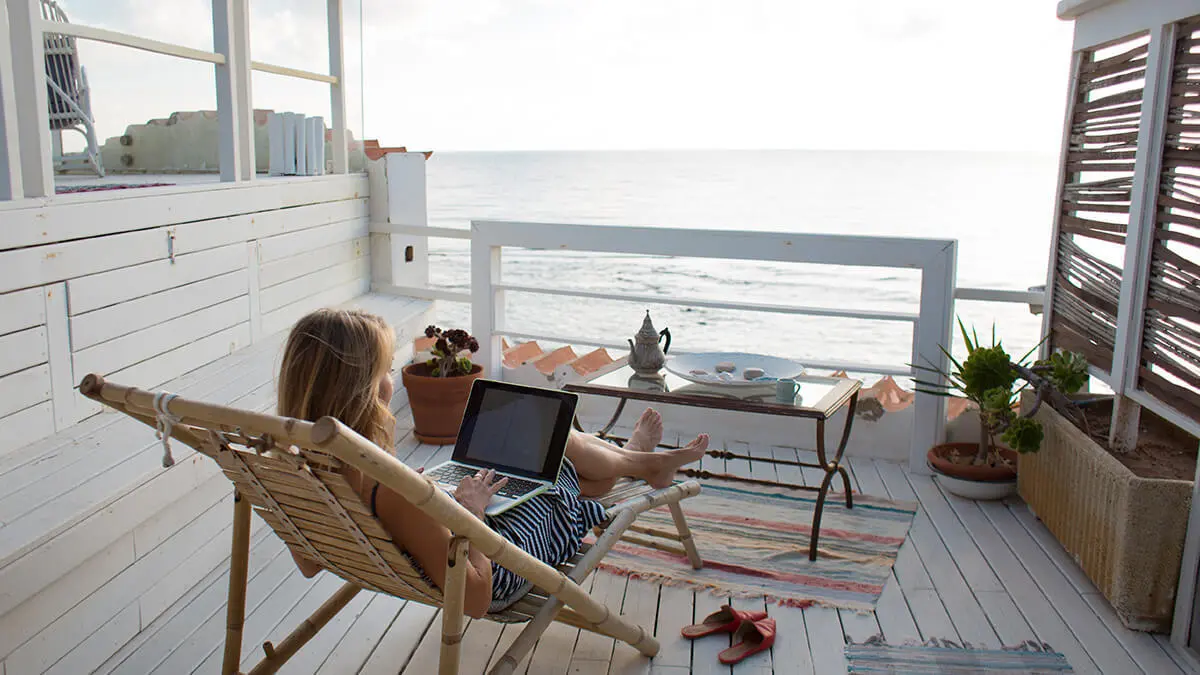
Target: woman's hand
474	492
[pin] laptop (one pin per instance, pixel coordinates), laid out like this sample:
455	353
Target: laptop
519	431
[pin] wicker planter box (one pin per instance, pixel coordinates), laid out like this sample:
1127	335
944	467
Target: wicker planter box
1125	532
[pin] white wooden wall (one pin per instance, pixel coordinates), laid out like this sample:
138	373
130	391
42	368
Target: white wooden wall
97	541
147	288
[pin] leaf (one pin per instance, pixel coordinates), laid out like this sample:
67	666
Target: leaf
933	384
966	338
933	393
951	357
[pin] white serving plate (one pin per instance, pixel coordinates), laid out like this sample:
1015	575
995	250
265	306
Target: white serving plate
774	368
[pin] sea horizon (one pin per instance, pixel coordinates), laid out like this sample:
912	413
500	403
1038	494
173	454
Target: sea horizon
998	205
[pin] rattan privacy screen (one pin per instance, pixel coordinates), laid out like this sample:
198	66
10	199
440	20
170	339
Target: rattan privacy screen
1170	368
1097	187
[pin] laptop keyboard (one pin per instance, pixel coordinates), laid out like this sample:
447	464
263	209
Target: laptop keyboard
454	473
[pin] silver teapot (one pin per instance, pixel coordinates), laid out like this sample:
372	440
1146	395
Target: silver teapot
645	356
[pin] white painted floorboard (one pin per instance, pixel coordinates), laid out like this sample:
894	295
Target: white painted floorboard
1015	590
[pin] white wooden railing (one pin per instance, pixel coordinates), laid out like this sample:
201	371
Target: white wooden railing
24	123
934	258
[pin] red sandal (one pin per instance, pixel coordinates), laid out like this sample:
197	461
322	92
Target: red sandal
725	620
751	637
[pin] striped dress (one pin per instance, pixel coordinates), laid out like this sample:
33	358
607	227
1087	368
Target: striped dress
550	527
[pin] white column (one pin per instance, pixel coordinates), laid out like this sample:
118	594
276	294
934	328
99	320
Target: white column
29	80
235	110
933	331
1139	236
10	154
407	206
337	91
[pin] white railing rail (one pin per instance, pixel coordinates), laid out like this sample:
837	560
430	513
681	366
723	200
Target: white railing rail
24	113
1033	298
934	258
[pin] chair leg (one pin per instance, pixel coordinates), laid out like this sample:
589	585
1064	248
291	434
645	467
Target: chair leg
235	612
685	536
614	627
277	656
452	605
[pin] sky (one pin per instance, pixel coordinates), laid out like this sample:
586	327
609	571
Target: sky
625	74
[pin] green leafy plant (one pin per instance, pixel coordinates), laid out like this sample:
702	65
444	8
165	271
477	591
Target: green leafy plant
448	360
990	378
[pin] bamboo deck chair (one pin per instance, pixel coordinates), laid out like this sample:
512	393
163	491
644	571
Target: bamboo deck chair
288	471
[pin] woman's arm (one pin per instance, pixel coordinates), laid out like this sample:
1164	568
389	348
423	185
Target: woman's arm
428	541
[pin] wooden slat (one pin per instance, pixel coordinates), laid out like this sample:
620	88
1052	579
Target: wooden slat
23	389
89	293
395	649
22	349
141	313
1169	336
114	355
1087	628
1180	398
21	309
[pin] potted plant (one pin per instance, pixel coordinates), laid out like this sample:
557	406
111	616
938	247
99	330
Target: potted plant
989	377
438	388
1121	515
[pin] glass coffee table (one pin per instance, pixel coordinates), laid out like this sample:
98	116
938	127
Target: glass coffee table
817	398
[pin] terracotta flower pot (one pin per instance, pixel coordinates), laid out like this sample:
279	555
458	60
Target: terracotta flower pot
970	481
437	403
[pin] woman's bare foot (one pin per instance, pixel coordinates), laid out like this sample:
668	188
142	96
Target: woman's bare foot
647	433
664	464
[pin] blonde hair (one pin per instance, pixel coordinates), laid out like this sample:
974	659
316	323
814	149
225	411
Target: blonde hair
333	365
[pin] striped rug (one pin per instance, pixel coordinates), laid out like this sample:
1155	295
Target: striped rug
1031	658
754	542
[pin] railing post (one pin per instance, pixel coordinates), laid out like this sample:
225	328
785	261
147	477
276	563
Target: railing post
235	111
10	155
487	303
933	331
1139	238
29	90
397	182
337	91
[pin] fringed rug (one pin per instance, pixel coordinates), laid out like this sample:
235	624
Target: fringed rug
754	543
942	657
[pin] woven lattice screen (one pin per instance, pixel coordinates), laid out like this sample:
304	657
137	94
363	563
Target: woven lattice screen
1098	185
1170	369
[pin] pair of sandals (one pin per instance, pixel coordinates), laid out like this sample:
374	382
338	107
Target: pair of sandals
752	632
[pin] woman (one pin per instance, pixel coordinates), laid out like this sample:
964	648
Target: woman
338	363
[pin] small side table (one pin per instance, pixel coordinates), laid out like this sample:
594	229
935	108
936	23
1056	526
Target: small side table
818	399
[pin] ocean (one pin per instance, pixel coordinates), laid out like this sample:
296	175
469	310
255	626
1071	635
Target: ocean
997	205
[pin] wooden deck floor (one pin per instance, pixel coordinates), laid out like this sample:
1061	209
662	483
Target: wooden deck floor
985	573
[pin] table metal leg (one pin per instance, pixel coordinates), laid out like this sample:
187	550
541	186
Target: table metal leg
837	458
603	433
831	468
816	523
612	422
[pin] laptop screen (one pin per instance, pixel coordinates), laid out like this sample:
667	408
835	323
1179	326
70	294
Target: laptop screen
518	429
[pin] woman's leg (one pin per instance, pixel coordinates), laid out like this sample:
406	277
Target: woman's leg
600	463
